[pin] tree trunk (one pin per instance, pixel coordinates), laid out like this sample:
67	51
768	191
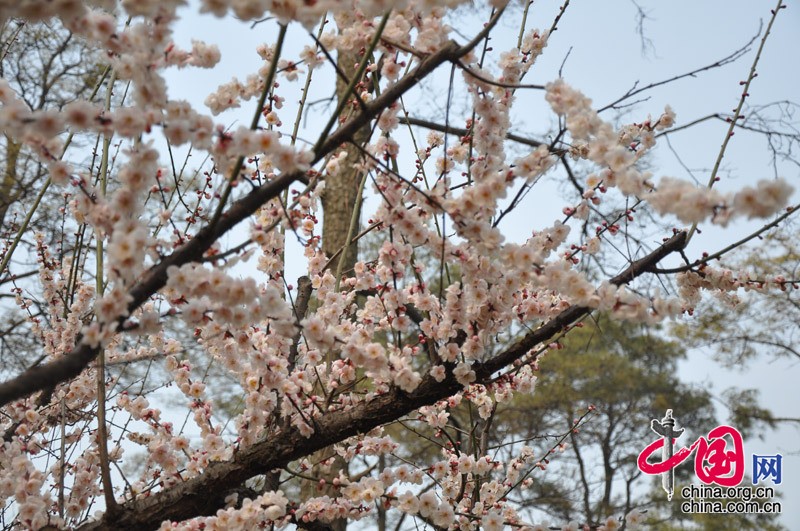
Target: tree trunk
340	202
9	178
340	197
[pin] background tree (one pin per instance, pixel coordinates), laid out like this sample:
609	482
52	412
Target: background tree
629	374
716	326
341	204
48	67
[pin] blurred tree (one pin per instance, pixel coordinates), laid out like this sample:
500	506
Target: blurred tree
731	326
717	324
48	67
628	374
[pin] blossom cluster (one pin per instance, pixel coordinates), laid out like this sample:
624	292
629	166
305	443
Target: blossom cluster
440	313
618	152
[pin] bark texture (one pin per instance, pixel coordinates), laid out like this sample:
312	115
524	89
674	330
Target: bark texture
340	198
192	498
340	202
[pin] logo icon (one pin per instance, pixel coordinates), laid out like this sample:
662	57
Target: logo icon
767	467
719	465
713	461
669	432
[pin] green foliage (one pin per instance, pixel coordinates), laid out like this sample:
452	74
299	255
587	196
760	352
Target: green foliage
732	326
745	413
629	375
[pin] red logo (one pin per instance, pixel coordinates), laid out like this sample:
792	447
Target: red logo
713	462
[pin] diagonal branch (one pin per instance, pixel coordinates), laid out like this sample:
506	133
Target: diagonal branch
72	363
190	499
572	314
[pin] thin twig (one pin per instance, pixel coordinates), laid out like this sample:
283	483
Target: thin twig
737	113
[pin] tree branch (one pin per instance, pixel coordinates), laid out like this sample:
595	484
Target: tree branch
190	499
72	363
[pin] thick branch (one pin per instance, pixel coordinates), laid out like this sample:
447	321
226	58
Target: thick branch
190	499
570	315
72	363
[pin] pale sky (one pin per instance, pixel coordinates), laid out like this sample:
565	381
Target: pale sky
605	60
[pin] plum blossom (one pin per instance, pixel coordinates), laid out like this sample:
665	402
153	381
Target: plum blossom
303	354
492	521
